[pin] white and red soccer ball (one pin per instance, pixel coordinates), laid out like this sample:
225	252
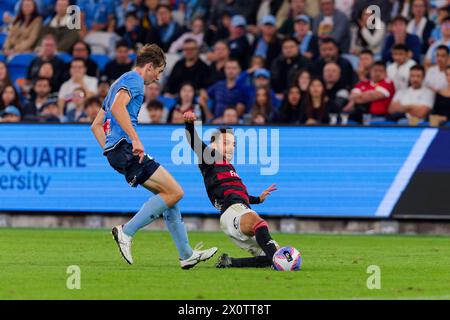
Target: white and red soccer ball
287	259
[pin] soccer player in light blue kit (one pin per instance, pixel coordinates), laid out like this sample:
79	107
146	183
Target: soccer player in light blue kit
114	129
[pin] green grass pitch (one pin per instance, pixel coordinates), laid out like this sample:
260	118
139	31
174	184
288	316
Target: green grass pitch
33	265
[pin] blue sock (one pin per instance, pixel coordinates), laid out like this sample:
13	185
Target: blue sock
150	211
175	224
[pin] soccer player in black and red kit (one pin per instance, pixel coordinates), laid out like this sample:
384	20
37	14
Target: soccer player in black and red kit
228	194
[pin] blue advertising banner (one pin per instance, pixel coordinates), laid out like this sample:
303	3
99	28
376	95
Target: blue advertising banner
319	171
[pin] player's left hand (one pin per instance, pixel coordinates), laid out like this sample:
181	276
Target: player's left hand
267	192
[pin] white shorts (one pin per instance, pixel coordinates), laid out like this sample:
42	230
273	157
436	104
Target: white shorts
230	223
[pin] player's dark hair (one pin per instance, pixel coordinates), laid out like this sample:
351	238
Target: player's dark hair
400	46
443	48
154	104
418	67
151	53
219	131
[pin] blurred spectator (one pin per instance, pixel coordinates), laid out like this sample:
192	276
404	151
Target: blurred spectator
219	30
103	87
5	80
96	15
443	13
197	33
292	107
247	8
9	97
91	107
417	100
263	110
317	105
230	117
50	112
167	30
302	80
190	68
332	23
329	52
436	78
186	102
284	67
260	79
420	25
132	31
308	42
149	19
219	56
46	71
398	71
10	114
366	60
371	96
40	94
238	43
267	44
81	50
400	35
297	8
58	26
442	102
430	57
335	90
24	32
153	92
227	92
366	36
78	78
47	54
121	63
77	98
384	5
191	10
155	111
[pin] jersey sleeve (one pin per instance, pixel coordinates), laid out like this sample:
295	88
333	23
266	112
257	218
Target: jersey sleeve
195	142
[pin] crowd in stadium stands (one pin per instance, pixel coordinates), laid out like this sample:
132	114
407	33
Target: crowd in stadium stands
231	61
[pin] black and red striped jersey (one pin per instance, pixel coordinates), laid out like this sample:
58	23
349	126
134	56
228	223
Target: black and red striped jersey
222	183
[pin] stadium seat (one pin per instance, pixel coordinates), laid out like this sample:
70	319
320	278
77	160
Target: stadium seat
3	36
100	59
133	56
2	57
64	56
18	65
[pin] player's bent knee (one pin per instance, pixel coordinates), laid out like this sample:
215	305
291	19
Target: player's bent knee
250	222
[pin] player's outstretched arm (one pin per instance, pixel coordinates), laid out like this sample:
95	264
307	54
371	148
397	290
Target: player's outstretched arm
97	128
120	113
192	136
262	197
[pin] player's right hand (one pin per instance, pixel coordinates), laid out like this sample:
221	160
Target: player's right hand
138	150
189	117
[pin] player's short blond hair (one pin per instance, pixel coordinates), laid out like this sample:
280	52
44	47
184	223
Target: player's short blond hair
151	53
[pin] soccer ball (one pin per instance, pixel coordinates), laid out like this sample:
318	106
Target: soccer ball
287	259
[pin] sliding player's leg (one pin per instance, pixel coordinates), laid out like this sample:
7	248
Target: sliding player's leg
166	186
249	232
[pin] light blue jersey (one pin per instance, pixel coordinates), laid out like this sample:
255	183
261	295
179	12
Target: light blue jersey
134	84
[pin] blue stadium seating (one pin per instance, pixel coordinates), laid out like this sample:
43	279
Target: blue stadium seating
100	59
2	57
64	56
18	65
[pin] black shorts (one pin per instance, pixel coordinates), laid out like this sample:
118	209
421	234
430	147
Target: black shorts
121	158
